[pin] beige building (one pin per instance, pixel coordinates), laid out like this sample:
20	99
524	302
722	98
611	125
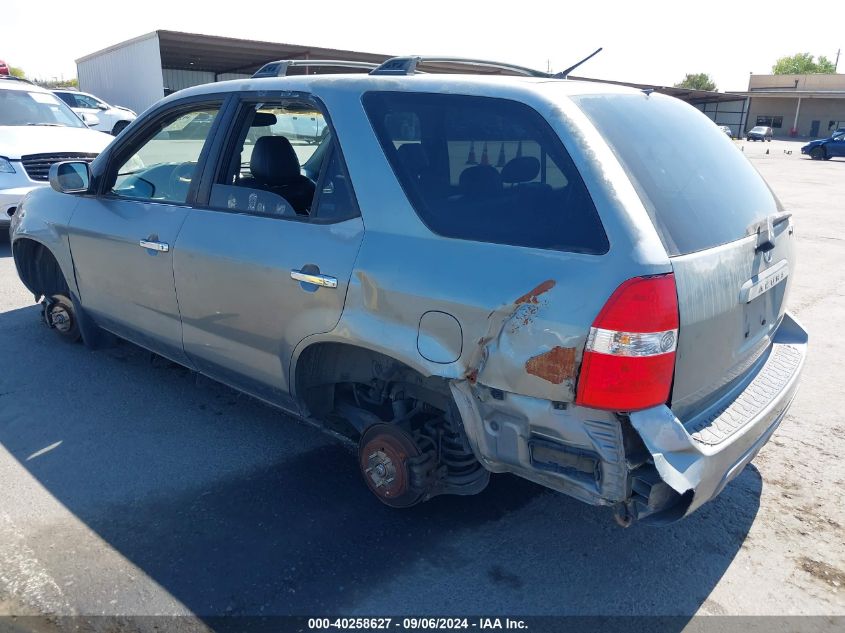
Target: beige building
803	106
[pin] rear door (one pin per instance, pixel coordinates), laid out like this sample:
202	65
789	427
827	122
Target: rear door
123	239
266	259
729	241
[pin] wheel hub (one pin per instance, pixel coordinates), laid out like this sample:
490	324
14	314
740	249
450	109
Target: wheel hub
60	318
382	470
384	456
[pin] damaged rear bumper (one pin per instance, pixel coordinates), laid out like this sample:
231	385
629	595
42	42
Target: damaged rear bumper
649	463
703	454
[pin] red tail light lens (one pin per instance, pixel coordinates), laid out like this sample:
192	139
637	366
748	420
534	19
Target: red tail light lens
629	358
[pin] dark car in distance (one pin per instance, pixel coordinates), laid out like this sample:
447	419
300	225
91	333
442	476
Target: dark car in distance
826	148
759	133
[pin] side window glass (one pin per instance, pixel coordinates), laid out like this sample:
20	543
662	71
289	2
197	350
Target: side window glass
273	164
164	166
486	169
85	102
335	201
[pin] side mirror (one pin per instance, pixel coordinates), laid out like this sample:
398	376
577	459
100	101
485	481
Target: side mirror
70	177
102	106
90	119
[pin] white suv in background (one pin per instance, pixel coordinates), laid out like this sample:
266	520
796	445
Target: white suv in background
112	118
37	129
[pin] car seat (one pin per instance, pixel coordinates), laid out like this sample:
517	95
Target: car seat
275	168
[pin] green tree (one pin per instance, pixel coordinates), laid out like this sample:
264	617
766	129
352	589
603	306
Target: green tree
697	81
17	72
803	64
54	83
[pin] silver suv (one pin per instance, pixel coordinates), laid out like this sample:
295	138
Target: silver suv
465	274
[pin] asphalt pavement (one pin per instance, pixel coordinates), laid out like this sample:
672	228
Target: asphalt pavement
130	487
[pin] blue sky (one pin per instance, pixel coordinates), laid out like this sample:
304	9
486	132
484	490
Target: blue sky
647	42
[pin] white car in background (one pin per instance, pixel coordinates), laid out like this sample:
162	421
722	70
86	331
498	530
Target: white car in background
37	129
112	118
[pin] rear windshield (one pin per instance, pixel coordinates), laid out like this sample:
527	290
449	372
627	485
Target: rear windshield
699	190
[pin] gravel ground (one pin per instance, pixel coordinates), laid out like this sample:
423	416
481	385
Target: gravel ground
127	487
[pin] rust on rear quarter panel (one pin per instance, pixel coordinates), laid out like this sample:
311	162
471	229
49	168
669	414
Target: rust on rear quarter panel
531	296
556	365
522	353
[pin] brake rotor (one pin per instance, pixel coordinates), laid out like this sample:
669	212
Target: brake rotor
384	453
59	315
61	318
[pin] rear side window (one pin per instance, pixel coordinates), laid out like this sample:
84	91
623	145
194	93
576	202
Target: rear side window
699	190
67	98
487	170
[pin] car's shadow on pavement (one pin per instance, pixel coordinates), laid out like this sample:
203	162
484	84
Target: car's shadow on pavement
234	509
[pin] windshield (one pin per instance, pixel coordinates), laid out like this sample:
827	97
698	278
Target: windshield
21	107
759	128
699	190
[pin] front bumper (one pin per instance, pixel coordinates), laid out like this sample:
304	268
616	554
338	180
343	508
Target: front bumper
649	463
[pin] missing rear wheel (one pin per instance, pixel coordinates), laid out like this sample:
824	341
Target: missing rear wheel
384	457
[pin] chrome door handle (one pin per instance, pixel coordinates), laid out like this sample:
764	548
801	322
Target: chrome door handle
161	247
318	280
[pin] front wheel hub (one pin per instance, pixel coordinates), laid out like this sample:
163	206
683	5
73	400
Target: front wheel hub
59	318
57	312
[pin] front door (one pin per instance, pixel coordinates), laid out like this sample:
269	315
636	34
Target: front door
267	262
88	105
123	239
836	147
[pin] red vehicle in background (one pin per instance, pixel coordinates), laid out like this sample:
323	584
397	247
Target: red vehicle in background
4	69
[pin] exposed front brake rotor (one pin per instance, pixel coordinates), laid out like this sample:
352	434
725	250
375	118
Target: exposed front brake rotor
59	317
58	313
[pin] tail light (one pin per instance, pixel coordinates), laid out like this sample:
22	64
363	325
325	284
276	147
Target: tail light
629	358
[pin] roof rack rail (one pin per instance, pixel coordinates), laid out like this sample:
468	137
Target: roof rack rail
280	68
408	65
13	78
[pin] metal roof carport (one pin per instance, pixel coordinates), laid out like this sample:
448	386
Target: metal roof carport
138	72
228	55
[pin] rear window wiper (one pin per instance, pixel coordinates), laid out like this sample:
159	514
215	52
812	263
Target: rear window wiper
765	231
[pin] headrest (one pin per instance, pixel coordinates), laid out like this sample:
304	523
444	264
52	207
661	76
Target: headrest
480	180
413	157
263	119
273	160
521	169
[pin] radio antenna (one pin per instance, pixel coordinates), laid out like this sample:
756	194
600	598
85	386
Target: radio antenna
565	73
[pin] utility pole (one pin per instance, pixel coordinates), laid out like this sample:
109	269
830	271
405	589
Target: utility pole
836	65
